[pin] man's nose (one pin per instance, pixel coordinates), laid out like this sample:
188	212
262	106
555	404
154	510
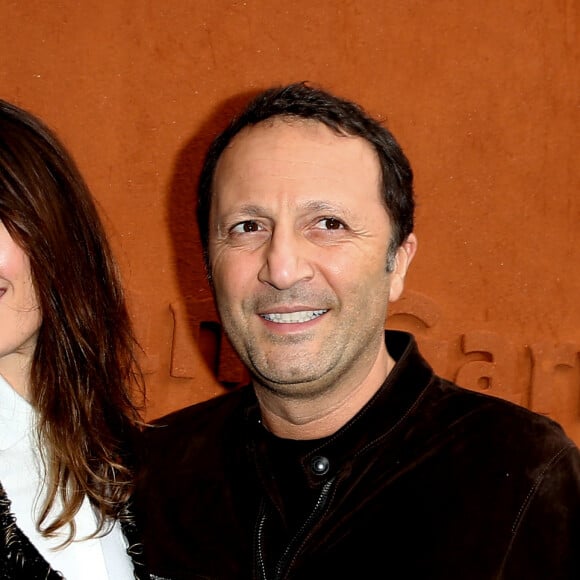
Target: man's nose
287	260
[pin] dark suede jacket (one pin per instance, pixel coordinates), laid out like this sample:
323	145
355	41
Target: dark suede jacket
427	481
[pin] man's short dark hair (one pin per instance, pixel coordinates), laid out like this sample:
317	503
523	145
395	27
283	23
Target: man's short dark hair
301	101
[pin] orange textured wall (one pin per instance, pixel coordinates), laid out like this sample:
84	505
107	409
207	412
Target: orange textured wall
483	95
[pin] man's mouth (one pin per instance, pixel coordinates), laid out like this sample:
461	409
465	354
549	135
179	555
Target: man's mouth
293	317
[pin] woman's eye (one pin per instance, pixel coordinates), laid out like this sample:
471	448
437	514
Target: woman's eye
246	227
330	224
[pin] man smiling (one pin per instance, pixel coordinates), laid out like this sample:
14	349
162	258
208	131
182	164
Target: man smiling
298	256
346	457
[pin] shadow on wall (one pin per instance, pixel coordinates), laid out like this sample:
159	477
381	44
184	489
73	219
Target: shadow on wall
196	305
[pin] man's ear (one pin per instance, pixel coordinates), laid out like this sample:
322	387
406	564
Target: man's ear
403	258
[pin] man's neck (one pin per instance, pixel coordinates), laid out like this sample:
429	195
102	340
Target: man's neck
314	418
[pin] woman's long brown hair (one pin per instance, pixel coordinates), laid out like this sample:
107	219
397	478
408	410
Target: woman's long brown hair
84	372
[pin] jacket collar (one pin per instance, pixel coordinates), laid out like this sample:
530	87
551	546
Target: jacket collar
377	421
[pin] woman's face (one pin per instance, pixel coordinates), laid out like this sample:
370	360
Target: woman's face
20	315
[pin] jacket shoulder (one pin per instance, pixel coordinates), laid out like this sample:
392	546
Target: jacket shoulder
505	424
206	419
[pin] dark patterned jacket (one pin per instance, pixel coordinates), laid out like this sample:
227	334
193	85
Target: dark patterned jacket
20	560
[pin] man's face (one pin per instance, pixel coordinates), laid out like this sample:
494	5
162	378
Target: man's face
298	252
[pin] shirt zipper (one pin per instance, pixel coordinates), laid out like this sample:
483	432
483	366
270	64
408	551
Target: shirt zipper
293	547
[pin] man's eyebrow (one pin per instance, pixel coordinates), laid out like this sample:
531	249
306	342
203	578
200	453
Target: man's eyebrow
251	210
313	206
325	206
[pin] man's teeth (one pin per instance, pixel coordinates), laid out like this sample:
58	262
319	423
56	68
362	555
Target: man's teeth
293	317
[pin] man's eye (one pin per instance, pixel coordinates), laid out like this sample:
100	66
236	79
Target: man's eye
330	224
246	227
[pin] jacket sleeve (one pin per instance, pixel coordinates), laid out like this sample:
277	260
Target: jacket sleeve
546	535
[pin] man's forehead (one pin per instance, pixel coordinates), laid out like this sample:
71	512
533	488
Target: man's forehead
297	163
288	122
299	140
